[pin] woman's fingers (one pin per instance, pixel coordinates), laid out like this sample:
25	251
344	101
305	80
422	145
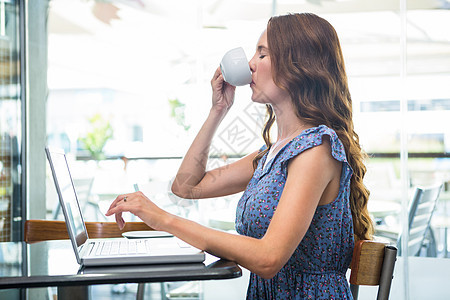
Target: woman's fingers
223	93
118	199
117	207
217	73
119	220
118	202
137	204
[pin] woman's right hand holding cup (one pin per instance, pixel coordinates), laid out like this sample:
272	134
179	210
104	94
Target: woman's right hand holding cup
223	93
234	71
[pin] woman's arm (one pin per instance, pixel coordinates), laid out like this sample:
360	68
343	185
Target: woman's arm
192	179
311	180
194	182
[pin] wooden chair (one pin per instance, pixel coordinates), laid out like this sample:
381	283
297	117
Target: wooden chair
372	264
45	230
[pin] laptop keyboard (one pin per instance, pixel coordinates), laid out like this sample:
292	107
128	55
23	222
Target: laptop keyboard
122	247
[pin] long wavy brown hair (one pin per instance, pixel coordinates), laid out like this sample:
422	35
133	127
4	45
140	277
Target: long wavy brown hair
307	62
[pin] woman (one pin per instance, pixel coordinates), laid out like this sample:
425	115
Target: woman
304	198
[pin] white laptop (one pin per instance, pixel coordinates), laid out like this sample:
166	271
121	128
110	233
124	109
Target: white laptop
111	251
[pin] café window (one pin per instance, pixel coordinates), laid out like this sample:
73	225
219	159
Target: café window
10	124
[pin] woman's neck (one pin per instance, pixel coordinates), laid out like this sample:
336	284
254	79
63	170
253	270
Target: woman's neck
288	126
288	123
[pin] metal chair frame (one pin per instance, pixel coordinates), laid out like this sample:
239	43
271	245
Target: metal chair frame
372	264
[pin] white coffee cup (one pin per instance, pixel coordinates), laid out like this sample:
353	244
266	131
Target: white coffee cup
235	68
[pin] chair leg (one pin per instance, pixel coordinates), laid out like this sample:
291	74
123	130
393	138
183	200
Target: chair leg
140	291
56	211
445	242
163	291
354	289
432	245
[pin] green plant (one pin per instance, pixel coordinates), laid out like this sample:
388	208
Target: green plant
95	140
177	113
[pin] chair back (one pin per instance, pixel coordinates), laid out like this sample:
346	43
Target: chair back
422	207
83	187
45	230
372	264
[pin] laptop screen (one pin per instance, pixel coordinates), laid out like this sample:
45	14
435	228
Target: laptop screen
67	195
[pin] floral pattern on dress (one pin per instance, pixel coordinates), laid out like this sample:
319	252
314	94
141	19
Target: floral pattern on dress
317	268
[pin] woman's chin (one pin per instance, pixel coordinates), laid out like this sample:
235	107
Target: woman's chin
258	100
255	97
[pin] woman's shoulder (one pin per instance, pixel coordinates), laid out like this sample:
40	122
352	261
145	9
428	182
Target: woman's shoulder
313	137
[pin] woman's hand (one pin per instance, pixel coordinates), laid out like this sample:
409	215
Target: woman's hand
139	205
223	92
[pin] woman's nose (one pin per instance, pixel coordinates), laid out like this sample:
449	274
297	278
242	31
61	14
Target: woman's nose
251	64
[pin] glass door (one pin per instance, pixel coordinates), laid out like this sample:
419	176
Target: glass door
10	123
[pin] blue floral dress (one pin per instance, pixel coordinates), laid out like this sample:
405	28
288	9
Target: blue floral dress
317	268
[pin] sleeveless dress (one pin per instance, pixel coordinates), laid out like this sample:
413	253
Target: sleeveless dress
317	268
